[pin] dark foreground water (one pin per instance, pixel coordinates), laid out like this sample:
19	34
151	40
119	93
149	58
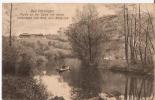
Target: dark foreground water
130	86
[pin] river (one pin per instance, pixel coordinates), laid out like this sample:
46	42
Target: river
130	86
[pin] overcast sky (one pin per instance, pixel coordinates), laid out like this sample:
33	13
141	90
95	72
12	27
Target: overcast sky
50	26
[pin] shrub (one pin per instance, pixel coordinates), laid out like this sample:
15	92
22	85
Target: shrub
22	88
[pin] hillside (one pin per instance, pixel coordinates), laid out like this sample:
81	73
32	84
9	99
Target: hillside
57	44
113	49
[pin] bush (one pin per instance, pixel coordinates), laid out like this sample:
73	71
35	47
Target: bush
22	88
9	55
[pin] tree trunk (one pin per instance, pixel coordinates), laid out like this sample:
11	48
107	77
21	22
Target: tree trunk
10	43
153	45
126	45
90	46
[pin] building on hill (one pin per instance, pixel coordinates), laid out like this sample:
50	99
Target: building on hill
24	35
37	35
27	35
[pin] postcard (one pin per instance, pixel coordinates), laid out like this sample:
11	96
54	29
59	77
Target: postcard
78	51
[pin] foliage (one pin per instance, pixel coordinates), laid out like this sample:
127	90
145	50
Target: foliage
26	57
86	35
22	88
17	59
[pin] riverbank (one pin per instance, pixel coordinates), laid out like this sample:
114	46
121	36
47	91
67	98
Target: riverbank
132	70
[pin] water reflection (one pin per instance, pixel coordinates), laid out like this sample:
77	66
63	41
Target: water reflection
88	84
138	88
128	86
55	86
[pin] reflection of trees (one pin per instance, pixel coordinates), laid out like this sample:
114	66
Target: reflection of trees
90	81
139	88
87	84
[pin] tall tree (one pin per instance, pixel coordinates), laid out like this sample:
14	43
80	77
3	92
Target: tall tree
137	33
86	34
86	37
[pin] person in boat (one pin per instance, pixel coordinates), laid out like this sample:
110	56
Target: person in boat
63	69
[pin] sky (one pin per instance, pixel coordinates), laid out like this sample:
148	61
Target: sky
49	26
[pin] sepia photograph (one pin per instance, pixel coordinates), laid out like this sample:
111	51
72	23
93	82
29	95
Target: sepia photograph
78	51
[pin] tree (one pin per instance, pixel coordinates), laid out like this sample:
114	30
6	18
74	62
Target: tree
86	37
137	29
86	34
